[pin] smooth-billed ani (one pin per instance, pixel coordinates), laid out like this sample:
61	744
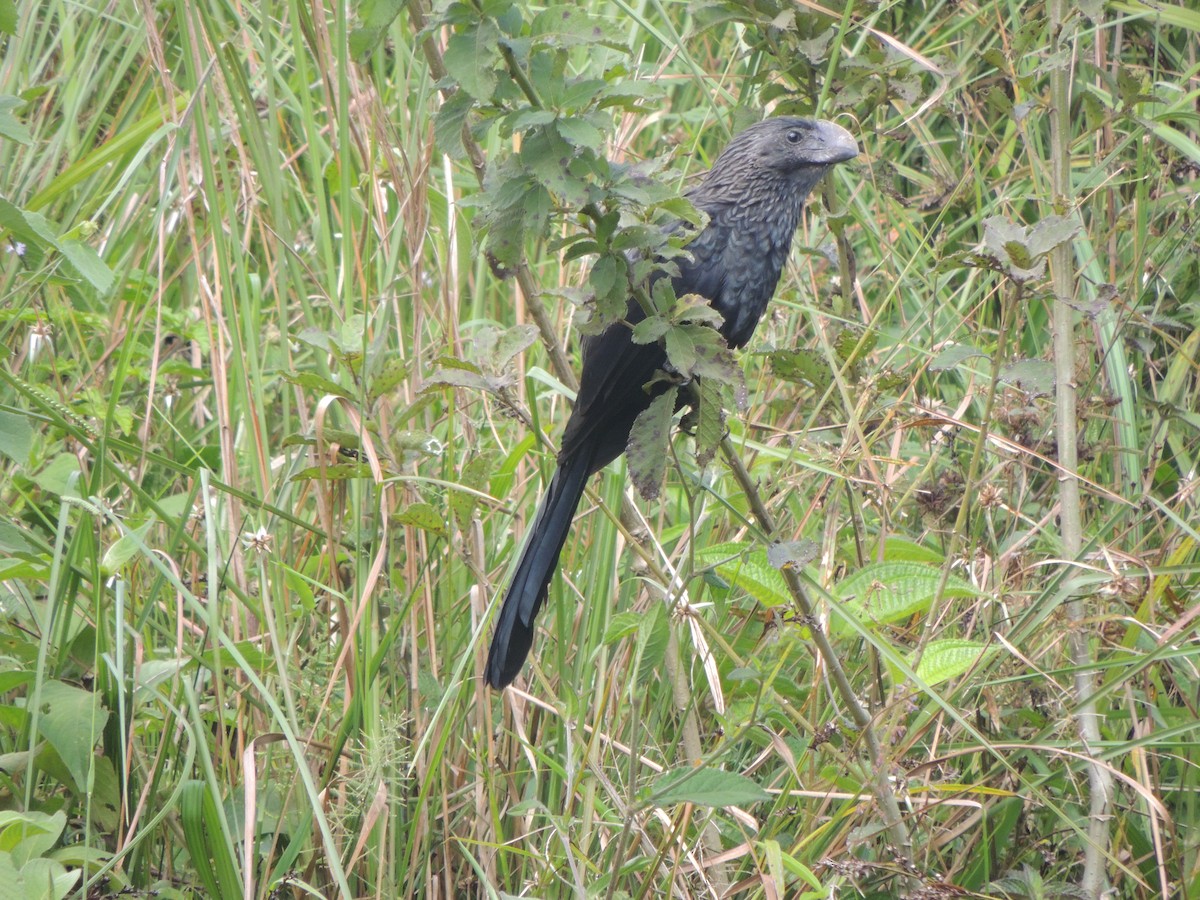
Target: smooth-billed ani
753	197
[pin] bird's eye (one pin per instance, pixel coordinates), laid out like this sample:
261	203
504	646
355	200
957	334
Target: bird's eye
794	136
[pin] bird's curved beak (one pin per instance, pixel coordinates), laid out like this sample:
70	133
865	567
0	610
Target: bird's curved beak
835	144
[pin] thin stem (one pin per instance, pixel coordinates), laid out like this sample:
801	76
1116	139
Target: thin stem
1094	878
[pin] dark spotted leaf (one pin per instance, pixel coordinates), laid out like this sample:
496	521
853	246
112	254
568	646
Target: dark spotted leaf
571	26
424	516
648	444
710	420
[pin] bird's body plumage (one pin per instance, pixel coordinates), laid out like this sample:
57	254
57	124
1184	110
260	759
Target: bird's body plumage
753	197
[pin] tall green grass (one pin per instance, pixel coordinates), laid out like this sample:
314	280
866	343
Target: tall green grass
266	460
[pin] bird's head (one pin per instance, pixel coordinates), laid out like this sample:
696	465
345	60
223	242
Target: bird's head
783	152
784	145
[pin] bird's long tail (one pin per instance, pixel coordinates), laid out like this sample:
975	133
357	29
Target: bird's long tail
539	559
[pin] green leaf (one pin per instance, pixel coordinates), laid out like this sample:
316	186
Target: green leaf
747	569
705	787
571	26
376	17
1034	376
8	17
27	835
948	658
72	720
548	158
423	516
16	437
709	421
580	133
1051	232
11	128
124	549
36	232
890	591
801	367
794	554
448	123
648	444
311	381
951	356
471	58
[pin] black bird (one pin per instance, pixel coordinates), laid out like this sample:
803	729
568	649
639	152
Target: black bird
753	196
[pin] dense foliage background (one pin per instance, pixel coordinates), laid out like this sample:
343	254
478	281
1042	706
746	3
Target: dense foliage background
289	302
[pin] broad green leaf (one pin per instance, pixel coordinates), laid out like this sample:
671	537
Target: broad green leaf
124	549
709	420
570	26
29	834
471	58
953	355
705	787
890	591
72	720
749	571
1034	376
16	437
801	367
948	658
424	516
376	16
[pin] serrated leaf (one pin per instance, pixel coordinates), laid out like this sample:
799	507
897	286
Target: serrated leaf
448	123
461	378
1051	232
650	330
423	516
391	373
376	17
891	591
580	133
548	157
510	342
622	625
649	438
474	476
571	26
471	58
749	571
951	356
710	420
801	367
1034	376
705	787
